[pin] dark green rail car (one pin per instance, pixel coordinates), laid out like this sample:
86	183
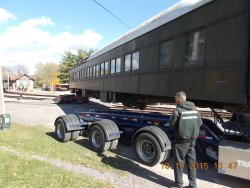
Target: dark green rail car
204	51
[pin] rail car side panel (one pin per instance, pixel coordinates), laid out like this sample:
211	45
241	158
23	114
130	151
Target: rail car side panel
208	83
220	77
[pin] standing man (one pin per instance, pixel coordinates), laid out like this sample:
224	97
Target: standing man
186	122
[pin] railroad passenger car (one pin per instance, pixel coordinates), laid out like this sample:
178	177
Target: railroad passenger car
199	46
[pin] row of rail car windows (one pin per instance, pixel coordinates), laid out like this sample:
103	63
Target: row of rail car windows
195	49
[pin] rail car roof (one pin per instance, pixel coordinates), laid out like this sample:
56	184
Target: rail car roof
177	10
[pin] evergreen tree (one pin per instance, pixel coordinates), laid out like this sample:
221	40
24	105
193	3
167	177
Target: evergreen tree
69	60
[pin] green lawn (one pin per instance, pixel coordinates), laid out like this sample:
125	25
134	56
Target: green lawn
16	171
40	140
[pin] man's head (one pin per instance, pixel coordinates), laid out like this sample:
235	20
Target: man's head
180	97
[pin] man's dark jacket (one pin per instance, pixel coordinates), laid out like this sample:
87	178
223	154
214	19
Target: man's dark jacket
186	122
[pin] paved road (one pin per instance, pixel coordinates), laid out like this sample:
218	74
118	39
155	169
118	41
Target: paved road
44	112
33	112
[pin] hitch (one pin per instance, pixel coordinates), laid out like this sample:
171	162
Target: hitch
220	122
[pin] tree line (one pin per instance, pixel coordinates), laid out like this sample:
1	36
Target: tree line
51	73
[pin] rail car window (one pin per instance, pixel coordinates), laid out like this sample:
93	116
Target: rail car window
135	60
91	72
195	47
83	71
94	71
118	65
97	69
127	64
102	69
78	74
166	54
106	67
112	66
87	72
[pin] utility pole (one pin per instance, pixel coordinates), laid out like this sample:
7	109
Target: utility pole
8	80
2	106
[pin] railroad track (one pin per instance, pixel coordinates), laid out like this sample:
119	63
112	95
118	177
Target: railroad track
167	110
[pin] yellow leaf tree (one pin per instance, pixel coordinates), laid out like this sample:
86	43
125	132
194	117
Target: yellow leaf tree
47	73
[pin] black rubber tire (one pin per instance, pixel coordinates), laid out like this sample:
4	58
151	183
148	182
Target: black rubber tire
74	135
166	156
97	140
152	154
60	131
114	144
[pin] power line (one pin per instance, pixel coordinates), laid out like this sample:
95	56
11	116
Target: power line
112	14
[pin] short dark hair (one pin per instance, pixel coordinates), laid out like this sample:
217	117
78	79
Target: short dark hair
181	95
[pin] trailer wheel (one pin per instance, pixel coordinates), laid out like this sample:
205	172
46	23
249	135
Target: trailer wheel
97	140
166	156
148	149
74	135
114	144
60	131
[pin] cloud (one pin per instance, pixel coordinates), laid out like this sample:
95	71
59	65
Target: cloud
31	42
5	15
42	21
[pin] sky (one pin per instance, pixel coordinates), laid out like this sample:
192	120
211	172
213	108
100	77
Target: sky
42	30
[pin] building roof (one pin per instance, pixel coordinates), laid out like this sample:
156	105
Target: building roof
177	10
17	77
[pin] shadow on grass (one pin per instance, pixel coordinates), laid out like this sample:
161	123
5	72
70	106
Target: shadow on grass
130	166
52	135
83	142
125	160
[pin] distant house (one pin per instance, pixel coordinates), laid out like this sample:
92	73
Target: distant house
21	82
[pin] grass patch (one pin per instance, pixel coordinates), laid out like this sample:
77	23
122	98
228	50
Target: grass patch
16	171
39	140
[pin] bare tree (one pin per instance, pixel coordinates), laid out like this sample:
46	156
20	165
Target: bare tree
18	69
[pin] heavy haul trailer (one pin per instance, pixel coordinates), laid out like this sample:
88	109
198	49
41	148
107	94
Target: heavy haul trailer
226	145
